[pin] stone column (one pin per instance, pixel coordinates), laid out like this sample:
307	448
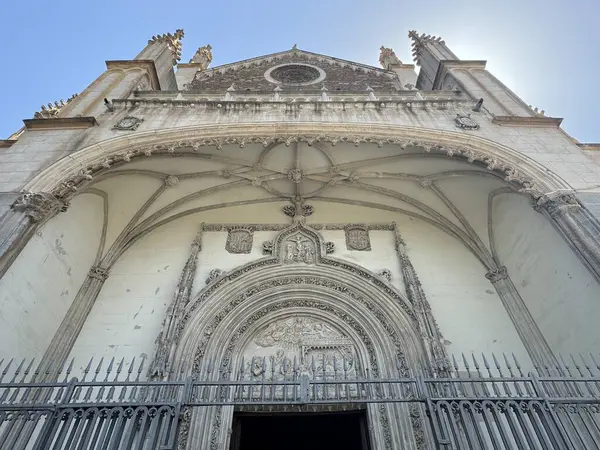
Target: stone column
531	336
17	225
576	224
62	343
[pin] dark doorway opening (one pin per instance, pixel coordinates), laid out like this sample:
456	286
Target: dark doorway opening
300	431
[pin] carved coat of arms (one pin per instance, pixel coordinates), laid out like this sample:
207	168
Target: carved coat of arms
239	240
357	238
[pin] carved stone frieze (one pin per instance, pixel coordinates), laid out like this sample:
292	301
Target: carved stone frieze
239	240
213	275
40	206
98	273
357	238
128	123
498	274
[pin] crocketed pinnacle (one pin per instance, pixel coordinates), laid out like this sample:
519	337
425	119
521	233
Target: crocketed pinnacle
419	40
173	41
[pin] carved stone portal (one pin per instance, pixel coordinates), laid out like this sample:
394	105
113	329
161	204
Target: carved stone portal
239	240
357	238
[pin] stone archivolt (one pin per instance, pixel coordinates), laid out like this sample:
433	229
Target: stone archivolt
526	175
301	309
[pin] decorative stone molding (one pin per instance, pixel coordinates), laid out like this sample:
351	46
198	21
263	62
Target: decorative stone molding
357	237
556	205
295	176
128	123
239	240
40	206
329	247
498	274
465	122
267	248
98	273
173	41
213	275
290	210
385	274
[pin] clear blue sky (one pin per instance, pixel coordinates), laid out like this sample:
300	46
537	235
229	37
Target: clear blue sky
547	51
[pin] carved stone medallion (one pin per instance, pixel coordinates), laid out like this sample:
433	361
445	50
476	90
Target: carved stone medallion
357	238
267	247
386	274
465	122
298	249
128	123
213	275
239	240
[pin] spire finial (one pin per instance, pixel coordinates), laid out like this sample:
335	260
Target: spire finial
387	57
203	56
173	41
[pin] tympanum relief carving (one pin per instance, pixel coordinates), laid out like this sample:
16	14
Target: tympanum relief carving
299	344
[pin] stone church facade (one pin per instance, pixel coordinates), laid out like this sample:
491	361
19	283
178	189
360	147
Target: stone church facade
297	213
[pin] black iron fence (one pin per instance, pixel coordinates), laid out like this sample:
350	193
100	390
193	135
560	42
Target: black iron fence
476	405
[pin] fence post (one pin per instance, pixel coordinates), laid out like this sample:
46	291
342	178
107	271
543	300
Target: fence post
557	422
304	388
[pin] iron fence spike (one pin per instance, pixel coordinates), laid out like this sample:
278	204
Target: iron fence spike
109	368
594	361
465	362
485	362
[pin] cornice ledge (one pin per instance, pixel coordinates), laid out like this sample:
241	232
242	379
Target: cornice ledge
593	146
516	121
463	64
5	143
146	64
60	123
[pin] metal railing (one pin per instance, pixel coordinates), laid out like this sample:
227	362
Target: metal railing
476	405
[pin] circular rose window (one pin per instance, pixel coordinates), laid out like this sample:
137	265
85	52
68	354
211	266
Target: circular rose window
295	74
